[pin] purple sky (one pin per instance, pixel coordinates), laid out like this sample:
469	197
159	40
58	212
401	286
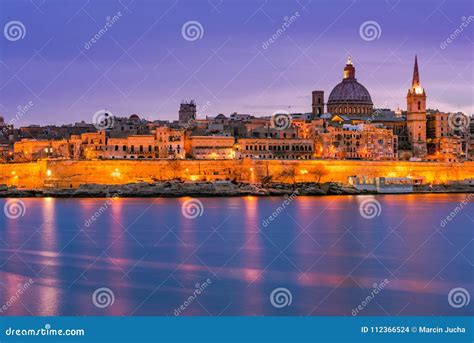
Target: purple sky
143	65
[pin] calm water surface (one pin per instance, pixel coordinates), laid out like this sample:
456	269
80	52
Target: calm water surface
319	248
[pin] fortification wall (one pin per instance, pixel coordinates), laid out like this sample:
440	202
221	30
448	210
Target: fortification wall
70	174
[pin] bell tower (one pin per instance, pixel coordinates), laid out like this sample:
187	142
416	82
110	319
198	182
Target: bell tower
416	115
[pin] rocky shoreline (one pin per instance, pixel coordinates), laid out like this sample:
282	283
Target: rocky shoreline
209	189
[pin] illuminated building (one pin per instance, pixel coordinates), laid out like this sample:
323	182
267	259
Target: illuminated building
360	141
271	148
169	142
210	147
349	97
416	115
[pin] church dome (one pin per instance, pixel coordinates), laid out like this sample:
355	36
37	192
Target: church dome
134	117
349	97
350	90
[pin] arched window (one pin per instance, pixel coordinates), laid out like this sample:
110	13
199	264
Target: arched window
419	105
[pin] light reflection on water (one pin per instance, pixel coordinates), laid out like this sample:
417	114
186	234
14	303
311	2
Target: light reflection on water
320	248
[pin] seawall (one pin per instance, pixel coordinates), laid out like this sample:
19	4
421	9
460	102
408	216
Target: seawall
73	173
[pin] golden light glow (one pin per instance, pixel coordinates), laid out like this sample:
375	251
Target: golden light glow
49	173
418	90
116	173
303	171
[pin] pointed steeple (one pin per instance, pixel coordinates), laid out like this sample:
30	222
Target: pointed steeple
416	75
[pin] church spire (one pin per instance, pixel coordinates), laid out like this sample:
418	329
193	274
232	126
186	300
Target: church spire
416	75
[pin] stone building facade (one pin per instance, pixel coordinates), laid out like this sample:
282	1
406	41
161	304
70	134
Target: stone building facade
270	148
360	141
416	116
